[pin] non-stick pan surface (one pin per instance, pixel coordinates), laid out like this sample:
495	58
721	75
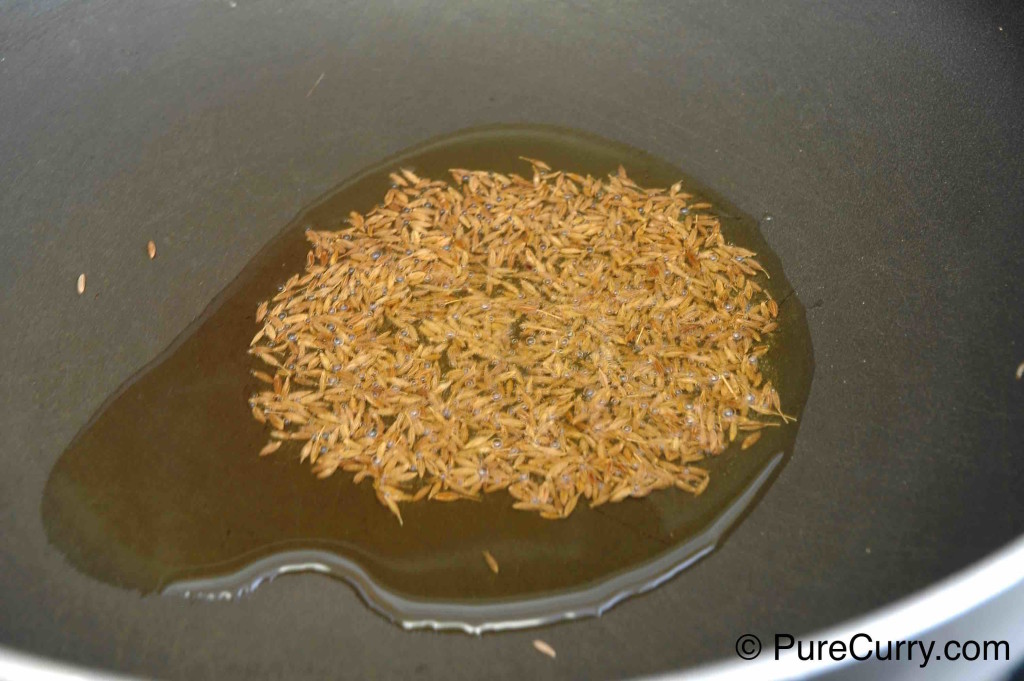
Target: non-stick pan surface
883	138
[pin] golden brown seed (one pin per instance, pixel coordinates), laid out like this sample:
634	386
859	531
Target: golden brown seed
541	336
491	562
270	448
544	648
151	250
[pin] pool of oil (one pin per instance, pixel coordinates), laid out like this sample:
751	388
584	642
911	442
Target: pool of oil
162	491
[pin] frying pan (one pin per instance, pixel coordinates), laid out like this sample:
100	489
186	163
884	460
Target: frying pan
883	139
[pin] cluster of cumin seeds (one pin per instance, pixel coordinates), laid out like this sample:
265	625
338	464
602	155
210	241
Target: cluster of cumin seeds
560	337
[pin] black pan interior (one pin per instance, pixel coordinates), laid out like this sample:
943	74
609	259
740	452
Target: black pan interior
883	138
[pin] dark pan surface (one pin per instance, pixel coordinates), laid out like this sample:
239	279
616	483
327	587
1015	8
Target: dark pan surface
884	138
